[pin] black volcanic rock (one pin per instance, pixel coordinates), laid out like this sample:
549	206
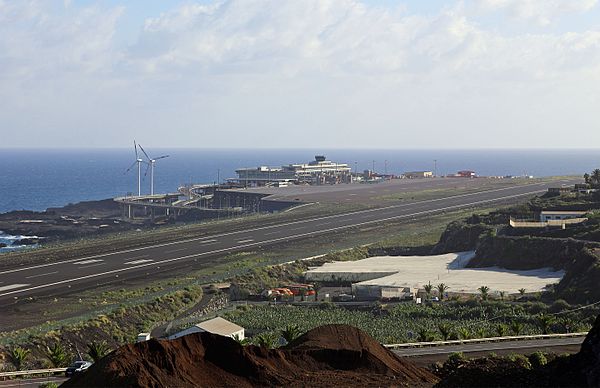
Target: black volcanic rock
26	241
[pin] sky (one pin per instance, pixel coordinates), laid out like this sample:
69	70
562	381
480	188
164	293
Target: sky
300	73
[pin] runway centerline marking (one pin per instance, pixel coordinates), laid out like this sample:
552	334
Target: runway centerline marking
92	265
40	275
246	241
84	262
176	250
138	261
458	206
208	241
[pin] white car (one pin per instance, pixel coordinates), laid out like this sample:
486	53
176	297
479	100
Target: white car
77	367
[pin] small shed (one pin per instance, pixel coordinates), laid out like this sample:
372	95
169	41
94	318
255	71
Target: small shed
218	325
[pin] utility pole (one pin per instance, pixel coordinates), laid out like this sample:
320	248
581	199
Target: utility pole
385	168
218	176
435	167
373	170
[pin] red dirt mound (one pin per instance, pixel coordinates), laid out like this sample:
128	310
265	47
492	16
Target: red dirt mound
332	355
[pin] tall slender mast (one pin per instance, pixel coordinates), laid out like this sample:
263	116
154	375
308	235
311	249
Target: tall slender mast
152	177
139	163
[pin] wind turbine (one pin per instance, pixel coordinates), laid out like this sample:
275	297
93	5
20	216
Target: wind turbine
139	162
151	162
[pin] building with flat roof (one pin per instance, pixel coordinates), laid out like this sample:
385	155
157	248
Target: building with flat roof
318	171
418	174
547	215
216	325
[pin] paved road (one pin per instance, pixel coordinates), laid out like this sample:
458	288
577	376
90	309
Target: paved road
31	383
88	272
491	346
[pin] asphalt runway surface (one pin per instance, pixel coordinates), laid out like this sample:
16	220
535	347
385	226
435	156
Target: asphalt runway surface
374	193
71	275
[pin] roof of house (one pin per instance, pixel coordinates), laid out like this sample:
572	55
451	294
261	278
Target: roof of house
219	326
563	212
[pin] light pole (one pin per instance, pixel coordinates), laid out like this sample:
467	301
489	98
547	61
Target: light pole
435	167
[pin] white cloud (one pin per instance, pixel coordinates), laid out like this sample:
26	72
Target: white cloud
347	73
542	12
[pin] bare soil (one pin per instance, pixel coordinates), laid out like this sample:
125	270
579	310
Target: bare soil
328	356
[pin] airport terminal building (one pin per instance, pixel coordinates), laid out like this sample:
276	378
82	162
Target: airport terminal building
317	172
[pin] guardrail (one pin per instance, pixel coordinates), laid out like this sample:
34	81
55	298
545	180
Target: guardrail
32	372
484	340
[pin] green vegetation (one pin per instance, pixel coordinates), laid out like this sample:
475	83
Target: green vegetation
118	326
407	322
17	356
57	355
97	349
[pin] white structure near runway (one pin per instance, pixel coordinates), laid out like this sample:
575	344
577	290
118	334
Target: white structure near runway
216	325
378	275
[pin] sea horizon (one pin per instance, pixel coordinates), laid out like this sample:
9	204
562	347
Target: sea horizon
38	178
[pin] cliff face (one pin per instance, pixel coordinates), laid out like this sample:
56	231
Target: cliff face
460	237
522	253
580	260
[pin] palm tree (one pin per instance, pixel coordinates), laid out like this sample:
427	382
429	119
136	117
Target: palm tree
428	288
425	335
502	295
463	333
545	322
441	288
516	327
444	329
17	356
97	350
595	178
484	291
290	333
501	330
266	340
239	340
522	291
586	177
481	333
57	355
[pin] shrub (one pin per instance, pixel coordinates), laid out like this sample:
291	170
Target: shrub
538	359
559	305
520	360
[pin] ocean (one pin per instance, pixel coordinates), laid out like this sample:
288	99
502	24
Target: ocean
35	179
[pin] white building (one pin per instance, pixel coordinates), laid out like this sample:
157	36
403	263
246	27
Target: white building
418	174
319	171
216	325
549	215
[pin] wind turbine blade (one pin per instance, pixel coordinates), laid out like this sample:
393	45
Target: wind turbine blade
142	148
161	157
130	167
135	149
147	168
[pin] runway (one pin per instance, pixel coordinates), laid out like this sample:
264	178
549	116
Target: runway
87	272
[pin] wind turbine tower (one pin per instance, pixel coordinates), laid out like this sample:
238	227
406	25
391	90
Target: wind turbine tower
139	162
151	163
